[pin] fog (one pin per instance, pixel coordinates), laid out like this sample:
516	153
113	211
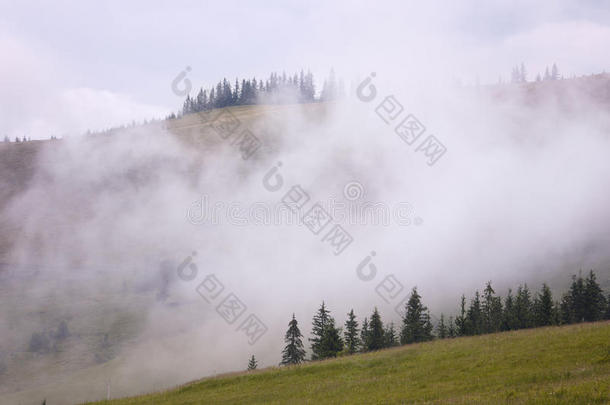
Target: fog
103	234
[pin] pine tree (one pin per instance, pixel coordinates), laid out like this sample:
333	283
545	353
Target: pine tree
320	320
212	99
352	340
293	353
451	329
201	100
523	74
441	328
236	96
364	335
489	307
554	72
390	336
547	75
460	320
594	300
474	316
515	76
544	313
376	332
187	107
509	315
416	325
428	328
573	303
523	307
330	342
252	364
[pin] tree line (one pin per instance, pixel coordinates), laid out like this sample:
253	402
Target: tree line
17	139
519	74
484	313
276	89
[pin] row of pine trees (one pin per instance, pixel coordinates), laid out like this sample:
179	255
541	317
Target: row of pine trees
277	89
519	74
485	313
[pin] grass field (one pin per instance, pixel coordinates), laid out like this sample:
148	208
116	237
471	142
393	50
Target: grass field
559	365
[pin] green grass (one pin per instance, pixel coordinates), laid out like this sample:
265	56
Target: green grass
560	365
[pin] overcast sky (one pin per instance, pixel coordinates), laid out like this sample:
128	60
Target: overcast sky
68	66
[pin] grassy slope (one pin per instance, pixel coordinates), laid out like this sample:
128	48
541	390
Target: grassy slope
569	364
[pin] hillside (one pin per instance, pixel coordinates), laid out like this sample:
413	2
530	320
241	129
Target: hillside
78	244
564	365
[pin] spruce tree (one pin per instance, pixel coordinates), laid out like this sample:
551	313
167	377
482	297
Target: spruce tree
594	300
460	320
509	317
474	316
364	335
547	75
252	364
492	310
376	332
416	325
441	328
390	336
544	313
523	307
554	72
330	342
573	304
352	340
451	329
320	320
293	353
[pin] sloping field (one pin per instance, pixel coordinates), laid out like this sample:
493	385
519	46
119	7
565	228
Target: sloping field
563	365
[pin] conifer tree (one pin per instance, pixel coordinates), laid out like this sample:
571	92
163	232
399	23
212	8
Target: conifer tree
492	310
509	321
573	303
474	316
554	72
523	307
319	323
364	335
235	99
594	300
330	342
293	353
547	75
523	73
441	328
544	313
416	325
352	340
376	332
252	364
391	336
460	320
451	329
